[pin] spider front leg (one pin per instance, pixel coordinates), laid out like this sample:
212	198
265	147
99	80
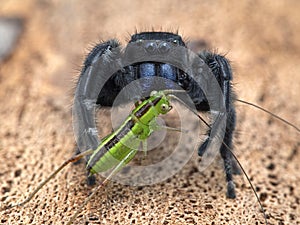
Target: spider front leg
222	71
96	72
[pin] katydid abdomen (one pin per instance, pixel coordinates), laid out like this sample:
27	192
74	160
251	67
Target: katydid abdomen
122	145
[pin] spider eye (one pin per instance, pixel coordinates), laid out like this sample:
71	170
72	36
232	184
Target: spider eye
164	47
150	47
139	41
175	42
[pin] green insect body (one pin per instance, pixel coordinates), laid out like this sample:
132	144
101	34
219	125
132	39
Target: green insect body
125	141
119	148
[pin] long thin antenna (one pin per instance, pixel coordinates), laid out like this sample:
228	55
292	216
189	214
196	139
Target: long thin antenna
270	113
182	102
246	175
230	150
171	91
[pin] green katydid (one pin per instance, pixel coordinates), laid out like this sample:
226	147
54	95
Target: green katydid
119	148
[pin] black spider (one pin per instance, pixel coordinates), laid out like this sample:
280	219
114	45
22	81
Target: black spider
143	50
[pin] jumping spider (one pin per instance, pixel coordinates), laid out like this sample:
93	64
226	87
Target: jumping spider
151	45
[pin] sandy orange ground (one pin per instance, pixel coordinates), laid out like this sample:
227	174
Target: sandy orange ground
261	38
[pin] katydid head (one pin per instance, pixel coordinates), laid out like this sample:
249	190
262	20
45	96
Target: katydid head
164	105
164	96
